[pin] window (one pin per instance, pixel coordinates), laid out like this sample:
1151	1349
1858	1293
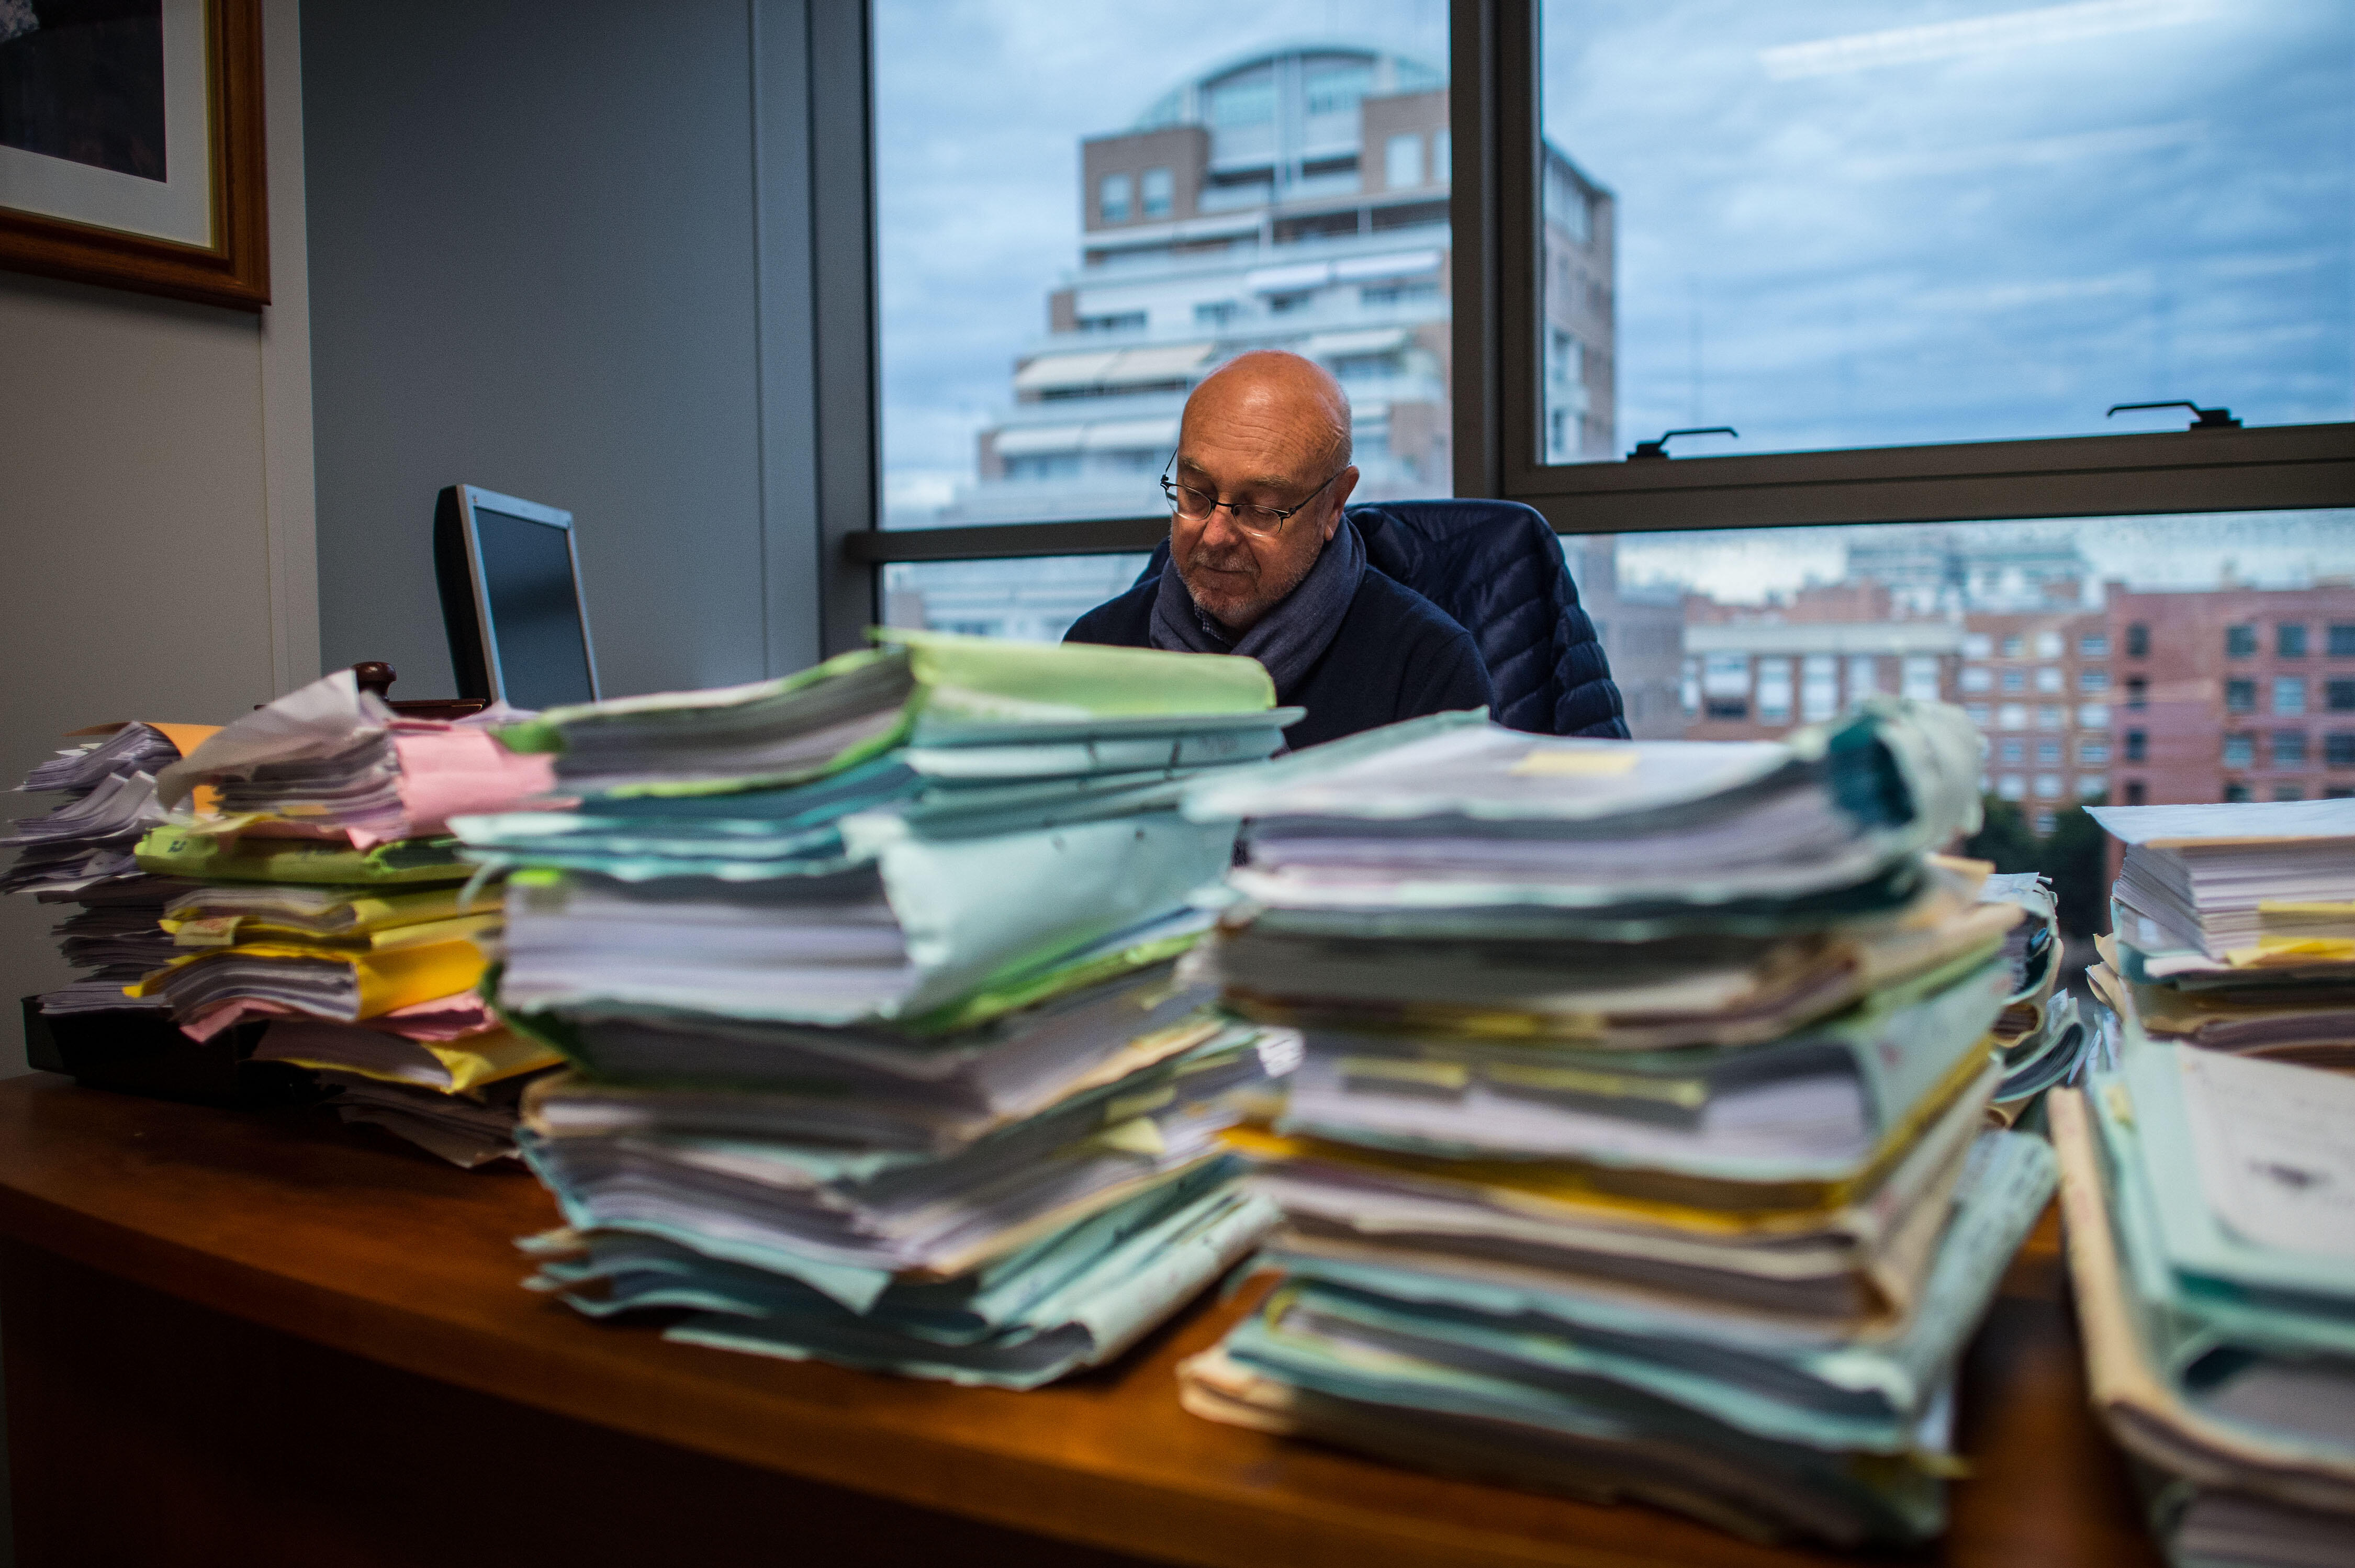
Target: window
1979	713
1863	676
2342	696
2137	692
2289	749
2092	680
2015	680
2240	696
2289	640
1920	679
2048	787
1725	675
1978	677
2240	751
2092	716
2011	786
2093	646
1818	687
1773	691
1158	190
1402	161
1112	198
2045	821
2138	792
2338	749
2093	754
2048	679
2048	754
2240	642
2289	791
2014	752
2012	716
2342	641
2289	694
1977	646
2236	792
2050	716
2092	785
2137	743
1215	313
1032	601
2048	645
2014	647
2138	641
1123	321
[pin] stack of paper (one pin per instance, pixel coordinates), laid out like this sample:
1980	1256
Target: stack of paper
2207	1172
2043	1039
1638	1147
2277	979
81	853
868	976
321	890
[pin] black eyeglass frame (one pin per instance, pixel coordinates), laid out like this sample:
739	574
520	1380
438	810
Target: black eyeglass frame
1170	487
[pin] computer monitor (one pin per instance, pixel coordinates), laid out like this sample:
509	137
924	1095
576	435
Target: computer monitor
510	577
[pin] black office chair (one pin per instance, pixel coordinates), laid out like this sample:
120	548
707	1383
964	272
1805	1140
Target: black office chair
1497	568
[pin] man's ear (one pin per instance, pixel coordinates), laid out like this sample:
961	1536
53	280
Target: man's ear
1346	482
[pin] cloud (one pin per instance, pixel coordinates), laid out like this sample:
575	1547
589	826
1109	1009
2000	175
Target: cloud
2042	29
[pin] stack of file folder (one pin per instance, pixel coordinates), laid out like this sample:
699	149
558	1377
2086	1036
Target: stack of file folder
321	891
81	853
1638	1148
2043	1039
2206	1175
868	977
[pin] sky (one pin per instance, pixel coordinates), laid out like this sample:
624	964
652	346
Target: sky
1847	222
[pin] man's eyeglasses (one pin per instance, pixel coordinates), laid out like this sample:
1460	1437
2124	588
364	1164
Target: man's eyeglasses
1265	522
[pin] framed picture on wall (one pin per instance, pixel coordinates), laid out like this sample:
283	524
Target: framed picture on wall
130	150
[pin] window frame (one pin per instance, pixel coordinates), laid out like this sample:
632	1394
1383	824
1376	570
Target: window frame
1497	395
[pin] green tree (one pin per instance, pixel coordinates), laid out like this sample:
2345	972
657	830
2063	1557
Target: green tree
2076	856
2004	837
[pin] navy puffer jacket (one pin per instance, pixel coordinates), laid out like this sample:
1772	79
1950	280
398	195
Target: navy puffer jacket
1496	569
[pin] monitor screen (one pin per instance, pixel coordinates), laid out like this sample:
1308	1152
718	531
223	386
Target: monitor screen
535	610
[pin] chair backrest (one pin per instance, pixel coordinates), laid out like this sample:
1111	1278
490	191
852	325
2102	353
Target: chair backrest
1497	568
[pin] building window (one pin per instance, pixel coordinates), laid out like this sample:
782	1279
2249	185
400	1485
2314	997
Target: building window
2240	751
2136	792
1159	190
2093	646
2049	679
2138	641
2015	680
2338	749
2092	716
2011	786
1920	679
2289	640
2051	717
2014	645
2045	822
2137	692
1978	677
1402	161
2093	754
2289	749
2091	784
2012	716
2289	791
1979	713
1977	646
2092	680
2342	697
1112	198
1773	691
2015	752
2240	696
1864	677
1731	709
2048	645
2342	641
1818	687
2137	743
1214	312
2235	793
2289	694
1124	321
2338	792
2240	642
2048	754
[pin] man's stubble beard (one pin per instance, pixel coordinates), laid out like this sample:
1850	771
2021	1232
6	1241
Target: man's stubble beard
1224	609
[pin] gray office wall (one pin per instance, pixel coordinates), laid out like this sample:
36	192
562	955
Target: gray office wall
537	235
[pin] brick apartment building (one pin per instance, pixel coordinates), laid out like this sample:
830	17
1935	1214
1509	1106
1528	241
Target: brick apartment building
2233	694
2039	686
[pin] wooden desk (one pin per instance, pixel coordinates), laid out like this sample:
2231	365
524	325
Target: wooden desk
260	1337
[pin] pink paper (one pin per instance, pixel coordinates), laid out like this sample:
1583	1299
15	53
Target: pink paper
453	1017
455	771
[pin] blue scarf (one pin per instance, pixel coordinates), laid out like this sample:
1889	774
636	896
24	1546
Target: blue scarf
1291	637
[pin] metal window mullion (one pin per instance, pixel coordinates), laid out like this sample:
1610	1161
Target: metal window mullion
844	316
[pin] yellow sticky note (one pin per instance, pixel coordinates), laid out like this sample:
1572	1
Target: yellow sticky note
1576	763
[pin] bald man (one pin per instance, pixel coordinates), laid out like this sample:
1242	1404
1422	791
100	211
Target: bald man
1263	563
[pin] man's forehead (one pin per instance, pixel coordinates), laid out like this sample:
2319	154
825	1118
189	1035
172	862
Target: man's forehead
1189	463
